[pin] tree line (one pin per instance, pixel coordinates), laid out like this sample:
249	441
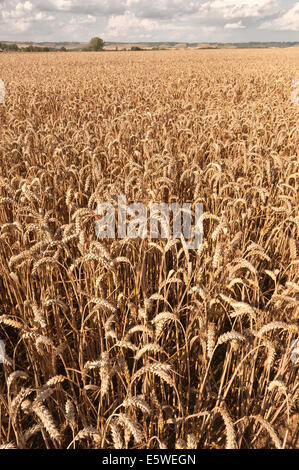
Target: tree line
14	47
95	44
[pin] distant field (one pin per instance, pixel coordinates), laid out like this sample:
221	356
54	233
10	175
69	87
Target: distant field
55	45
112	46
82	45
142	343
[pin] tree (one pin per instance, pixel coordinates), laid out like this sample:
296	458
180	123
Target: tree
12	47
96	44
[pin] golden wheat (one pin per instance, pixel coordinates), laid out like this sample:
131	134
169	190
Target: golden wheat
139	342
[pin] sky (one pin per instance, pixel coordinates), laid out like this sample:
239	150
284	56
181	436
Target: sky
149	20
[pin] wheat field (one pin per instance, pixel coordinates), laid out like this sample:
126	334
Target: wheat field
140	343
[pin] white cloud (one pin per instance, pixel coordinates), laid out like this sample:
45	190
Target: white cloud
64	5
41	16
129	21
88	19
207	30
103	7
20	16
163	8
289	21
22	7
237	25
128	25
231	9
152	20
17	11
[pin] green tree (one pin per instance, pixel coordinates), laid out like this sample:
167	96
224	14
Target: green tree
96	44
12	47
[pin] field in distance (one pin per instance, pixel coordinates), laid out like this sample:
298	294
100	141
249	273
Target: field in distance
112	46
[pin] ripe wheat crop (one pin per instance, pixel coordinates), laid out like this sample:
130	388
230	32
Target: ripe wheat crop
140	343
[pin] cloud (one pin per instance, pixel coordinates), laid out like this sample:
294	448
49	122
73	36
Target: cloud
22	7
83	20
129	25
163	9
289	21
92	7
64	5
238	25
19	16
41	16
18	10
231	9
155	20
154	9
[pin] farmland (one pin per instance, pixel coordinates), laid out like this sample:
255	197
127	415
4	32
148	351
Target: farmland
142	343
